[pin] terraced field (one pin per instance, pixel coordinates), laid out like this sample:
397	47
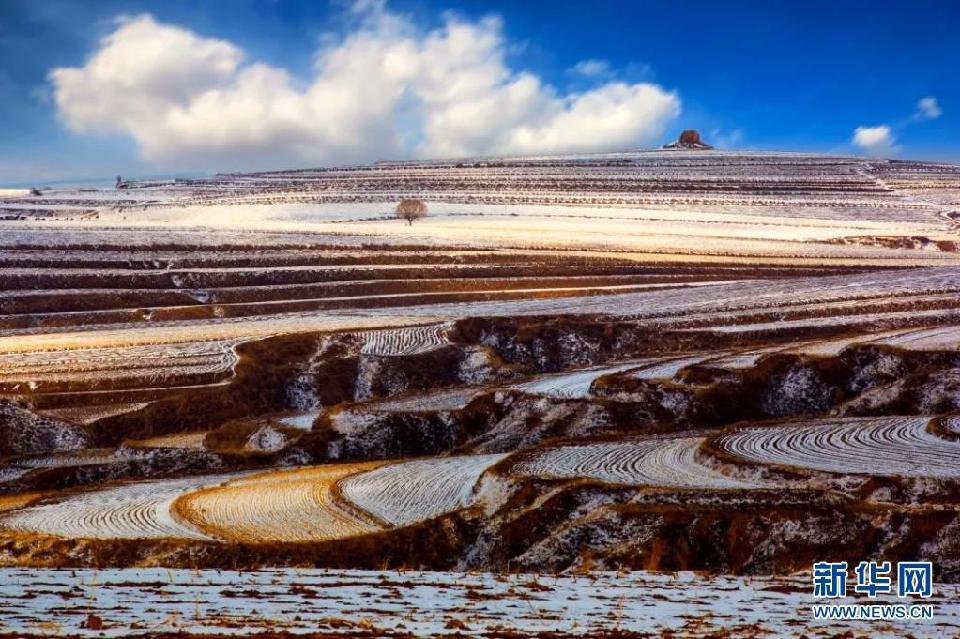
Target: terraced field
946	338
404	341
871	446
408	492
285	505
576	383
177	440
269	369
664	463
134	511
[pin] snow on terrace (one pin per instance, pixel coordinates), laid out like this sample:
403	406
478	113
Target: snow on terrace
661	462
404	341
14	193
682	228
664	303
869	446
929	316
189	363
575	384
81	359
824	308
691	238
300	421
930	339
280	505
131	511
619	244
668	369
947	338
407	492
91	413
440	400
197	330
818	348
248	214
720	297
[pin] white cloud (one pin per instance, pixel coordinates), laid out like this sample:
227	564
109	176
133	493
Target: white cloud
875	141
385	90
928	109
592	69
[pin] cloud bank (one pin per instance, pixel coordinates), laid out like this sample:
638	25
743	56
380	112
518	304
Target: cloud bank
384	90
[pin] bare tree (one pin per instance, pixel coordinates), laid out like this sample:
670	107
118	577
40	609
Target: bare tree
411	209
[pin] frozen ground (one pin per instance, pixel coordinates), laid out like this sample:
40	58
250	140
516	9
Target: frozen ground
429	604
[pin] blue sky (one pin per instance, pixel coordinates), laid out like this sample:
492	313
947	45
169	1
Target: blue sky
568	76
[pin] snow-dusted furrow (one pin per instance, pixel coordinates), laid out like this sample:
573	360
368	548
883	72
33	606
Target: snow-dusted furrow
819	348
129	367
833	347
442	400
123	376
300	421
407	492
132	511
667	463
409	340
283	505
88	457
90	414
746	359
192	441
944	338
96	358
853	321
869	446
792	308
667	369
169	335
575	384
652	307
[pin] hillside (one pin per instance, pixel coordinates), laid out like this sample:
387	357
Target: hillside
728	361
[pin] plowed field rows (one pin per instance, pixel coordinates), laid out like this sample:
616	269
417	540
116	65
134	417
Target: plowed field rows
664	462
133	511
576	383
404	341
408	492
869	446
284	505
